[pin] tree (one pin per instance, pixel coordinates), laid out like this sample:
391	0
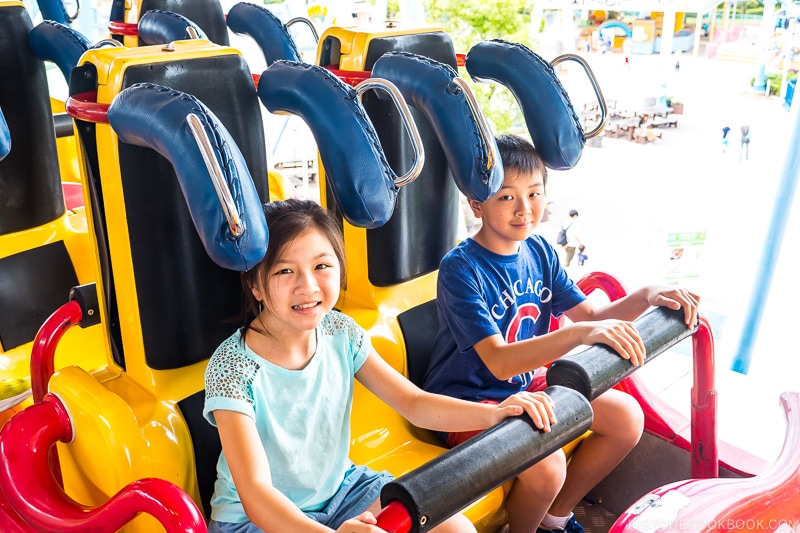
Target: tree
470	21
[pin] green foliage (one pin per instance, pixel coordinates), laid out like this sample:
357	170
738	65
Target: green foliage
470	21
774	81
393	9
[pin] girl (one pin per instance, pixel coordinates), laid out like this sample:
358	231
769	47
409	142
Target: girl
280	391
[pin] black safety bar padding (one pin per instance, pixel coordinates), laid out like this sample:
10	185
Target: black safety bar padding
598	368
30	180
33	284
62	124
186	301
445	485
207	14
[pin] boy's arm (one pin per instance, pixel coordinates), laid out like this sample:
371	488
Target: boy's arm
505	360
443	413
634	304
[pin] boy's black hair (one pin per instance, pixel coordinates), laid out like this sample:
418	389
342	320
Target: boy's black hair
519	154
573	213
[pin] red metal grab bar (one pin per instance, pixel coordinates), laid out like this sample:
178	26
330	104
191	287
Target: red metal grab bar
704	445
394	518
84	106
117	27
33	493
43	352
705	450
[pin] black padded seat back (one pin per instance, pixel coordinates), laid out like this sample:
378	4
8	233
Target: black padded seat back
205	444
30	182
419	326
207	14
424	224
184	297
33	284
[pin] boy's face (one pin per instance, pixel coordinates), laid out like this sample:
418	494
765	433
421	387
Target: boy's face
511	215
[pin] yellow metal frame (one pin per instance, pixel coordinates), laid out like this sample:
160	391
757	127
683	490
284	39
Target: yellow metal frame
126	423
82	347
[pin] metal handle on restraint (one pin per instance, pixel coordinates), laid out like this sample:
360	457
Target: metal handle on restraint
216	174
71	18
483	126
308	23
600	99
408	122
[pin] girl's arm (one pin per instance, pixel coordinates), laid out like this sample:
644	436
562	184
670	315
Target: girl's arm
264	505
443	413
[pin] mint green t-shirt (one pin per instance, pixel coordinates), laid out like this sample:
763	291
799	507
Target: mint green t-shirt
302	416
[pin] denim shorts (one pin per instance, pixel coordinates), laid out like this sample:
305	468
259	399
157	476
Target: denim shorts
361	487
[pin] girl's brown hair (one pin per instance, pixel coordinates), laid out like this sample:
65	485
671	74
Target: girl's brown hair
286	220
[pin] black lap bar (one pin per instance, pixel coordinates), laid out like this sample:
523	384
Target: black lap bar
598	368
442	487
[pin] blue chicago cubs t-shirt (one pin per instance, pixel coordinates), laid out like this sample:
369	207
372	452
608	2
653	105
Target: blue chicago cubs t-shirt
480	294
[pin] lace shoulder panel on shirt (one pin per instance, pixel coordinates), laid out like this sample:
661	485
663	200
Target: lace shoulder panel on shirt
336	323
230	372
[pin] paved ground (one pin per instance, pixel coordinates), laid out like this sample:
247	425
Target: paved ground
631	196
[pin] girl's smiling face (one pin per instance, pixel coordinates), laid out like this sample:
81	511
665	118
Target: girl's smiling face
301	287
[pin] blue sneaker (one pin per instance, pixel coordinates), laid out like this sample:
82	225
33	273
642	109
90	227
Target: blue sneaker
572	527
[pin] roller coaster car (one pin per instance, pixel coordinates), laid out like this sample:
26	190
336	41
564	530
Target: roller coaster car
134	428
44	247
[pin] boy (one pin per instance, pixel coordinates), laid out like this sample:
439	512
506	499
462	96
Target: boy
496	293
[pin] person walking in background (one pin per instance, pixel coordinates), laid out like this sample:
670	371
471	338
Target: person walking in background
573	236
725	131
745	144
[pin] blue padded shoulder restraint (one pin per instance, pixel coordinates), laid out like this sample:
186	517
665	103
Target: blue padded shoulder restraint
428	86
266	29
56	42
54	10
154	116
160	27
554	127
5	137
355	165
